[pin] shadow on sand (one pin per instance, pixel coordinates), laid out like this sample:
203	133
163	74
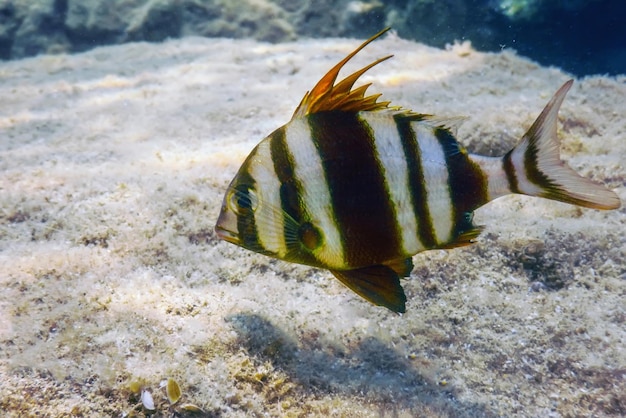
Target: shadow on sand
371	370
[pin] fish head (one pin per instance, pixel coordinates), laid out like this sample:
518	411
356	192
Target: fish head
253	214
237	203
235	223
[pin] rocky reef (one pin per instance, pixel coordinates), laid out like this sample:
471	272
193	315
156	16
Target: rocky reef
548	32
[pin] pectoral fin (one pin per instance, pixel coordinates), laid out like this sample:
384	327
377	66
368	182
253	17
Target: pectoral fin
466	238
377	284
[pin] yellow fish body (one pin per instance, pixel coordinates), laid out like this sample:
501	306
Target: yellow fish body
357	187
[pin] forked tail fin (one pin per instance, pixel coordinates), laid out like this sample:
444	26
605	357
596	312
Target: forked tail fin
534	166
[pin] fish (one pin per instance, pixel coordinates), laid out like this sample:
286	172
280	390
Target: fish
356	186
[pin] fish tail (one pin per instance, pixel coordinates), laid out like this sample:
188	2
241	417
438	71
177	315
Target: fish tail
534	166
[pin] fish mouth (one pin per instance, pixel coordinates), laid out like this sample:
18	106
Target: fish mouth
226	235
226	227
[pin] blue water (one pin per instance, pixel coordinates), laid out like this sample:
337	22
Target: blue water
582	37
586	40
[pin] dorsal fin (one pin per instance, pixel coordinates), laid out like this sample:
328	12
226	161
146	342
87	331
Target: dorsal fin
451	123
327	96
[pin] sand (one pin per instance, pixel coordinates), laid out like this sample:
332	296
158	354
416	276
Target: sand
113	164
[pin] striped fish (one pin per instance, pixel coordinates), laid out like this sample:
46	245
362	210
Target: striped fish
358	187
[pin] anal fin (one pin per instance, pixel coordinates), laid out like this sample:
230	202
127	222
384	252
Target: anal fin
402	266
378	284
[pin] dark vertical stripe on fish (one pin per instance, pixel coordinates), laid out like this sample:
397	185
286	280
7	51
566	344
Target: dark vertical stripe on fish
246	226
290	190
283	167
467	182
417	188
362	207
509	170
531	167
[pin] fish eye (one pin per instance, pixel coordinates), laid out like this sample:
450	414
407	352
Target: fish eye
242	200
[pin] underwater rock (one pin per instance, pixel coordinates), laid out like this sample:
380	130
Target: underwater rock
98	22
33	27
533	9
156	21
40	29
262	20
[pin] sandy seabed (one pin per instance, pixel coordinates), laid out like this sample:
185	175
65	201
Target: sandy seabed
113	164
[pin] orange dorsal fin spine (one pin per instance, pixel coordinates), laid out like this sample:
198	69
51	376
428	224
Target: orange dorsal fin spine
326	95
